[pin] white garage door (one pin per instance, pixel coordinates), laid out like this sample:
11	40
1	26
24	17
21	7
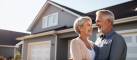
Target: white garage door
39	50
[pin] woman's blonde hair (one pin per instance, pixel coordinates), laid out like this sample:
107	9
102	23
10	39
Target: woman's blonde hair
79	22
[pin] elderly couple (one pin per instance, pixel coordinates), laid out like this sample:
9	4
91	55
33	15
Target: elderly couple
108	46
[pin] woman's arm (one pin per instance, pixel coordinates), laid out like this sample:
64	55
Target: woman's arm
75	50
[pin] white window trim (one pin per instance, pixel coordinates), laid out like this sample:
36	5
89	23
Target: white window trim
44	22
127	31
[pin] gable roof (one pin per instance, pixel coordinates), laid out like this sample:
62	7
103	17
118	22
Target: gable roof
73	10
126	9
9	37
65	8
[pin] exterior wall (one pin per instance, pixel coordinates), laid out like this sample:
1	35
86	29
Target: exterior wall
94	34
7	51
62	49
40	39
126	26
63	45
65	19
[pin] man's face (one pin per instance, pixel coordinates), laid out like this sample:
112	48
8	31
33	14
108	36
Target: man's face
86	29
102	23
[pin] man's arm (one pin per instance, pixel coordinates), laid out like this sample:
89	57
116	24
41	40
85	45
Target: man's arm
118	49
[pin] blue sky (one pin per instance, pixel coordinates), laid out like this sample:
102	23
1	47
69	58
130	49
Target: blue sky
17	15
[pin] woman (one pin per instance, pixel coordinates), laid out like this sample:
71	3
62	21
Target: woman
81	48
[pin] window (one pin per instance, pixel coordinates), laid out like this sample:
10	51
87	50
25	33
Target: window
131	41
128	39
50	20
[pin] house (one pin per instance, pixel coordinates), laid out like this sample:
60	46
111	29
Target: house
51	30
8	42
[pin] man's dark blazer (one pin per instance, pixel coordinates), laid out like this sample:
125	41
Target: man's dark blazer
116	50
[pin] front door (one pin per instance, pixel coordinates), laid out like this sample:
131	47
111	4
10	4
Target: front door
63	48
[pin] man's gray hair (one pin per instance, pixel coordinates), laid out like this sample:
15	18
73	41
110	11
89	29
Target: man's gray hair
110	14
79	23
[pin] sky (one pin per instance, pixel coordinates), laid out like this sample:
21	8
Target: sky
17	15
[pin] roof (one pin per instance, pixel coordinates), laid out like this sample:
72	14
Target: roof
9	37
65	8
122	10
73	10
128	9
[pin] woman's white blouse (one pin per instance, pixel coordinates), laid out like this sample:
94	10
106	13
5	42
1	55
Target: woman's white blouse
92	52
79	51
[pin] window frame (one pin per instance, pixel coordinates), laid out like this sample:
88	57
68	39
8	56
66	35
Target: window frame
50	20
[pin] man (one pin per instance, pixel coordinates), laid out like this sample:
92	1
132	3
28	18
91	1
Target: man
110	45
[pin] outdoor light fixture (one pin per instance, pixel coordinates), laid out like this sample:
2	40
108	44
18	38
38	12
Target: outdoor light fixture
135	9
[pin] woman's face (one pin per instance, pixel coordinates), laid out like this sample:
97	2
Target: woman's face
86	29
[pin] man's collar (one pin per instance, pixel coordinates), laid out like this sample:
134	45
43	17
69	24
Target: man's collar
109	35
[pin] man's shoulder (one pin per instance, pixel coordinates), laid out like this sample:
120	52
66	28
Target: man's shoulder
118	38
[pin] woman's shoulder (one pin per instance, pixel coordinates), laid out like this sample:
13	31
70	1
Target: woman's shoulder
75	41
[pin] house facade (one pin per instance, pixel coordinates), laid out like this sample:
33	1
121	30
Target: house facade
8	43
51	31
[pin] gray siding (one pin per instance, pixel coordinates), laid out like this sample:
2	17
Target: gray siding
40	39
126	26
65	19
62	49
94	34
131	50
7	52
63	45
